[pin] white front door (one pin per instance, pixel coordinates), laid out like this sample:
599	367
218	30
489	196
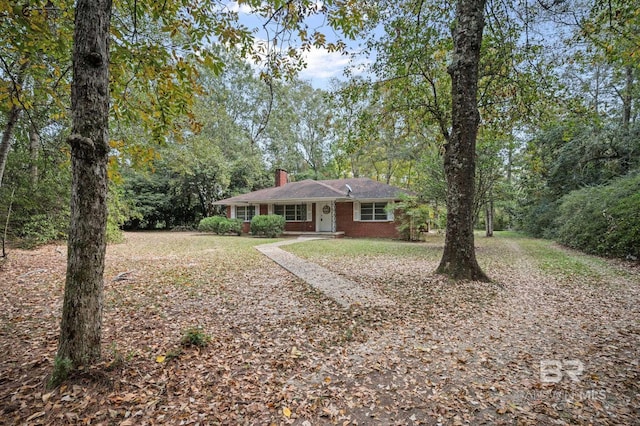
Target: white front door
324	215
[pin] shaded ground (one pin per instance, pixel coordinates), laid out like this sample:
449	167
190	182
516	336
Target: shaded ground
282	352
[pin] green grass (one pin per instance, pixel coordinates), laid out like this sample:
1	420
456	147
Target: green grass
557	261
352	247
507	234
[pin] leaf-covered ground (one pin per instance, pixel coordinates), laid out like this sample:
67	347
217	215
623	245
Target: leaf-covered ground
283	353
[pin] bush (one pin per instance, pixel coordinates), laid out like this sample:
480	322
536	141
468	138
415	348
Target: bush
537	220
413	218
603	220
220	225
210	224
270	226
119	212
230	226
42	229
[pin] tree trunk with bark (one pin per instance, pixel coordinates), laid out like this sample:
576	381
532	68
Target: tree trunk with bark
459	257
34	153
80	329
488	215
12	118
5	144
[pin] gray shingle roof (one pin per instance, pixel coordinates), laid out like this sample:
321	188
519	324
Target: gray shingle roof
362	188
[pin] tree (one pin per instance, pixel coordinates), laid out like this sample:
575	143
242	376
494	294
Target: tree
34	43
165	98
81	324
12	119
459	257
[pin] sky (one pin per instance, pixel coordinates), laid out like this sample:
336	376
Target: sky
322	66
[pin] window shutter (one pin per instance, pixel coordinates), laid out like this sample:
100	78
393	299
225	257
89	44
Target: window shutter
257	210
233	212
356	211
309	212
270	211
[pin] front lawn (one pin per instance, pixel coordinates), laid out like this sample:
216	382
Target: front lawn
202	329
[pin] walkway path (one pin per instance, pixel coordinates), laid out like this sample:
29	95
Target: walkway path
338	288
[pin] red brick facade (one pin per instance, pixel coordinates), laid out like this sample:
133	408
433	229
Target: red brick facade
351	228
344	223
282	177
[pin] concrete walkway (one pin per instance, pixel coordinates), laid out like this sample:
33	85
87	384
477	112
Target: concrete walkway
338	288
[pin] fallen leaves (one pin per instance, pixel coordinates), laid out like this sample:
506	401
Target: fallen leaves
284	353
286	412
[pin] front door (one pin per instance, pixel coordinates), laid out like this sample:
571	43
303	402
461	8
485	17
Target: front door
324	215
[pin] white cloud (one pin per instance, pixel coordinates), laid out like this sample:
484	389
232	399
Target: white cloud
324	65
242	9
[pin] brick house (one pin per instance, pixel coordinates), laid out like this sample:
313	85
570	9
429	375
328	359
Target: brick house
355	207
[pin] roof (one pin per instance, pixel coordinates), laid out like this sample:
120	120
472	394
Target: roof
361	189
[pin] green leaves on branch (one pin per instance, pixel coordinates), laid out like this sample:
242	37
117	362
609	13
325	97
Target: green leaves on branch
603	220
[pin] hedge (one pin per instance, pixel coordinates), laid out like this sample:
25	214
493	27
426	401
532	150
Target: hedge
271	225
220	225
603	220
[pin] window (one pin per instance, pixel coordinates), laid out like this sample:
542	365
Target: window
245	213
291	212
373	211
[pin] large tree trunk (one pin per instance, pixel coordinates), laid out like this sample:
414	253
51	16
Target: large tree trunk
5	144
459	257
80	328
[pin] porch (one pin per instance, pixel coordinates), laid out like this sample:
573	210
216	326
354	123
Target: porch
307	234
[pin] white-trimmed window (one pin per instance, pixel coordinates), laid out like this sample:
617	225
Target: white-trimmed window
246	213
293	212
372	212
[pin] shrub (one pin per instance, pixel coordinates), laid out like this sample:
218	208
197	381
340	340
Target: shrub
271	225
230	226
603	220
210	224
220	225
119	212
537	220
42	229
414	216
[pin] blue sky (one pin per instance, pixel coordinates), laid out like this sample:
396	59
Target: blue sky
322	66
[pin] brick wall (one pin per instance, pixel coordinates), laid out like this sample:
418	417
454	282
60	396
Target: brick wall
344	223
282	177
303	226
351	228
